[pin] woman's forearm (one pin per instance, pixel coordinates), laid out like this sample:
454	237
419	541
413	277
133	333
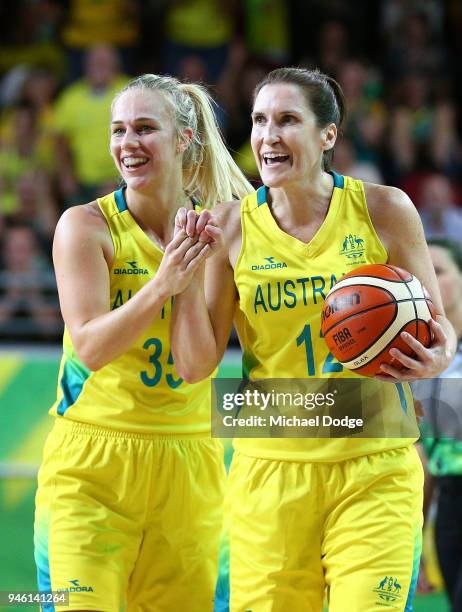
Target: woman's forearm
108	336
193	342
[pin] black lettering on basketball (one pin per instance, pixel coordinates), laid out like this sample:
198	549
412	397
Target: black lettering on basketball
342	336
341	303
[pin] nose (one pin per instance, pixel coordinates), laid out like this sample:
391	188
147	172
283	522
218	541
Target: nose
271	133
129	139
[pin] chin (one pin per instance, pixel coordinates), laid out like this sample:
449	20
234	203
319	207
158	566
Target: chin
136	179
273	181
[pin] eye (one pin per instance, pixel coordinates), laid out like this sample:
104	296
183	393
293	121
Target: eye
145	129
258	119
118	131
287	119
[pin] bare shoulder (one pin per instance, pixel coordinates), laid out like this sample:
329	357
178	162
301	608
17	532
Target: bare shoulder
392	211
81	225
381	199
227	215
85	214
227	212
395	218
400	229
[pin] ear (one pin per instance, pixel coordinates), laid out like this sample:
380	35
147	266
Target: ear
185	140
328	137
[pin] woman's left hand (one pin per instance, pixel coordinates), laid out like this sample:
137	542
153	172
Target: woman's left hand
425	363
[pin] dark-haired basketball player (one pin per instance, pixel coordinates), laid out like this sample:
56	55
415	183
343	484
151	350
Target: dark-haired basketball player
309	514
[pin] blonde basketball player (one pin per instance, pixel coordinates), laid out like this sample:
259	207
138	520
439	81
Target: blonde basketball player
129	501
309	515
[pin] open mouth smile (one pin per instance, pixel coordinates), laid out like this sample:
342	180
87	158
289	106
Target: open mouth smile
134	162
272	159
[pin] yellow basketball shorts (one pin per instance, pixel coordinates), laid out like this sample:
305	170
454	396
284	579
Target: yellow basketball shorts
129	522
302	532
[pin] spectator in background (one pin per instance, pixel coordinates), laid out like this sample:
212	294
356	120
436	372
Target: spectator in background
394	12
442	426
367	114
414	43
28	302
422	129
325	33
346	163
333	46
239	109
106	22
267	34
193	69
264	44
440	215
37	206
202	28
40	89
23	150
81	118
30	35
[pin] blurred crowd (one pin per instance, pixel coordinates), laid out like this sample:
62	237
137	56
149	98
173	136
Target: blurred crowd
62	61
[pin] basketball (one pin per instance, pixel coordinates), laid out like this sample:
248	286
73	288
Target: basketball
366	311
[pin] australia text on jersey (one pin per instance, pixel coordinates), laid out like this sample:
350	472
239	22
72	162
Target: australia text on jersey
277	294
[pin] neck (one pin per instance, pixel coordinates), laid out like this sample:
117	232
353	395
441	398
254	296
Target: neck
155	211
302	202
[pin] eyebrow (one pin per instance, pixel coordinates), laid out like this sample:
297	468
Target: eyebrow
282	112
136	119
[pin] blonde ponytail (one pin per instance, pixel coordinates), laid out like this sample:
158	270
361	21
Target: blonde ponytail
209	171
209	167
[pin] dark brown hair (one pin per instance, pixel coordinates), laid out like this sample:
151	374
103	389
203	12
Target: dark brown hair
323	94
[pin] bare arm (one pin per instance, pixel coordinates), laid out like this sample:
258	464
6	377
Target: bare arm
203	313
400	229
82	254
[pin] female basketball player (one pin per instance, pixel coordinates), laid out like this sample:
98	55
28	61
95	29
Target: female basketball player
129	501
307	515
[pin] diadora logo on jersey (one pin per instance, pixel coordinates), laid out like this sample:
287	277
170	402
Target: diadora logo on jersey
75	588
388	590
131	269
269	264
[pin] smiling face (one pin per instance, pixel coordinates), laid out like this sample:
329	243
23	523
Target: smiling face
287	142
144	142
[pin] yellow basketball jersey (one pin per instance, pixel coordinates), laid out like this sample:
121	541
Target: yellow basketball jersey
282	283
139	391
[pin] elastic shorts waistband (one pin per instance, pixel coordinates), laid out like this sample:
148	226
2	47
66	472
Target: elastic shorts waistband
69	426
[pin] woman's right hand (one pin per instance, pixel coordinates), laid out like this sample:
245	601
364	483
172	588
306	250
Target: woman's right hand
182	257
201	225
